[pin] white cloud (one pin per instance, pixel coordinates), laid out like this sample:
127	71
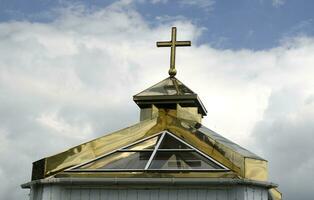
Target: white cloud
159	1
205	4
278	3
301	29
287	132
63	128
69	80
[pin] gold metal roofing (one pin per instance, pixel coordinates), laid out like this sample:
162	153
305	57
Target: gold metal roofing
240	161
169	91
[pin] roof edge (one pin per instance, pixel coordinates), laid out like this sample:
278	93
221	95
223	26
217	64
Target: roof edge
151	181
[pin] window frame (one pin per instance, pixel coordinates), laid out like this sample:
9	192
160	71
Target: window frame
153	155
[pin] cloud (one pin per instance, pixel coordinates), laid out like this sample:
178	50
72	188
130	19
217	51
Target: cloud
159	1
287	132
204	4
207	5
67	81
301	29
278	3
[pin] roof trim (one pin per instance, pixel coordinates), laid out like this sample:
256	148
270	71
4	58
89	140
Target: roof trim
146	182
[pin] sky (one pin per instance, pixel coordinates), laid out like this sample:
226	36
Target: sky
69	69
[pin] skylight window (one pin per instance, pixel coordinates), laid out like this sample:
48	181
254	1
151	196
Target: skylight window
161	152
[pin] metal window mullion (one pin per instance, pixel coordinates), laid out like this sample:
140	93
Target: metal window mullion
200	152
155	150
142	140
134	150
153	170
176	150
93	160
111	152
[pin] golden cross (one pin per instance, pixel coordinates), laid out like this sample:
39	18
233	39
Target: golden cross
173	44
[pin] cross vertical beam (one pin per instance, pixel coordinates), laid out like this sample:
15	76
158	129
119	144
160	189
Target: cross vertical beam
173	44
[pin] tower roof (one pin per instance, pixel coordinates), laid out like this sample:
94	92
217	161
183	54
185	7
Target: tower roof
169	91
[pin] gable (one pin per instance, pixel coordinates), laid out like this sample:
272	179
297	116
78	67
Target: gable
238	160
160	152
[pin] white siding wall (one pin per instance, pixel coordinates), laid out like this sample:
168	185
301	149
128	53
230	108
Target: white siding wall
55	192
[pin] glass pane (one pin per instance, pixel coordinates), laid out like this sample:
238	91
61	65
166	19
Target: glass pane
121	160
169	86
147	144
182	160
170	142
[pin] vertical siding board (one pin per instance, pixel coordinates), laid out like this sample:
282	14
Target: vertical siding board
67	194
122	194
264	194
232	194
211	194
52	192
61	192
246	193
55	192
257	193
46	192
90	193
32	193
104	194
84	194
38	194
75	193
222	194
190	193
114	194
236	193
201	194
173	194
239	193
94	194
154	194
132	194
164	194
183	194
250	195
143	194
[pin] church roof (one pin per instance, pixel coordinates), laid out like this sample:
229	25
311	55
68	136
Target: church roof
169	91
221	157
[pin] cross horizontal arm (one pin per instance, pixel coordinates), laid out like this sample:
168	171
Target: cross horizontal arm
169	44
183	43
164	44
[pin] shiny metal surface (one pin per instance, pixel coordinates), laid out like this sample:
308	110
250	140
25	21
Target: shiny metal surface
275	194
173	43
172	154
97	147
166	87
168	92
229	154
